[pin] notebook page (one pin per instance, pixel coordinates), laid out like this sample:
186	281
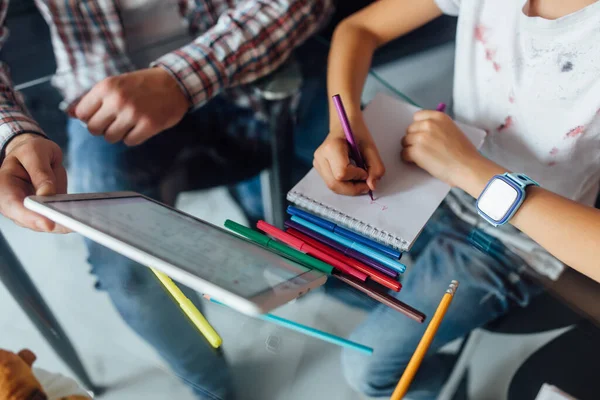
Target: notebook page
405	198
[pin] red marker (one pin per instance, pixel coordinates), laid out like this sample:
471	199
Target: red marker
310	250
376	276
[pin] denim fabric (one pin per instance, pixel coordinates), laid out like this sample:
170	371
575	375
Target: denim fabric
491	282
96	166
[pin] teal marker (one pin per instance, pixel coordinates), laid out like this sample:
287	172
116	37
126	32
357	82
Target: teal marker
266	241
361	248
307	330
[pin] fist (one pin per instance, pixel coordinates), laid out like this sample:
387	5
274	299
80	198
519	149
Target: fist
133	107
436	144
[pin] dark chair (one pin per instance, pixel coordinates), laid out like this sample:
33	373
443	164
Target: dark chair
570	362
543	314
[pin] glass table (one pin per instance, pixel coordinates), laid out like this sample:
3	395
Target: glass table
267	361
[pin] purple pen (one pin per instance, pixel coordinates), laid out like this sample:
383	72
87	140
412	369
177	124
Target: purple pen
343	249
441	107
341	111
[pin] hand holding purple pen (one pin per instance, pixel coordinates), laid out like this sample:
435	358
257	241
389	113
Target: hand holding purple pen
356	156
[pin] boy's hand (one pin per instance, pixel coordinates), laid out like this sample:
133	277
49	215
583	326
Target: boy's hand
436	144
133	107
33	165
332	161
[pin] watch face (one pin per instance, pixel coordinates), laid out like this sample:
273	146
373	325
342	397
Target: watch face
497	199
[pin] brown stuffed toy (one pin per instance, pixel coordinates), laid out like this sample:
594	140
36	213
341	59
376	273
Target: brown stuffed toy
17	381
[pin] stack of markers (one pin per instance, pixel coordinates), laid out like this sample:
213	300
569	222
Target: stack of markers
360	262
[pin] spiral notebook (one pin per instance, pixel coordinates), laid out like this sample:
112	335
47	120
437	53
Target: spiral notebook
405	198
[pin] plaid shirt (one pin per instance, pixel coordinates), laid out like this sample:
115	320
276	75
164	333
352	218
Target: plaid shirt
237	42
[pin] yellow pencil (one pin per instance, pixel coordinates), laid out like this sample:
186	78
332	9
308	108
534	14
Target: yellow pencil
190	310
419	354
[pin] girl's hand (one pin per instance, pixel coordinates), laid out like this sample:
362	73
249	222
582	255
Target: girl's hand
436	144
332	161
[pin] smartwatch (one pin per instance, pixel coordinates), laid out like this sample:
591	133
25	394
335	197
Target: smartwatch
502	197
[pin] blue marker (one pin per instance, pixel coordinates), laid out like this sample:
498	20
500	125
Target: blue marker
355	237
388	262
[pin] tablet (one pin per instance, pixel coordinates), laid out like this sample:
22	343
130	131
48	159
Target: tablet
212	261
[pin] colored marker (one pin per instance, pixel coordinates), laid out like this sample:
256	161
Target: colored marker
301	246
330	226
356	156
388	262
382	297
441	107
306	330
374	275
266	241
190	310
343	249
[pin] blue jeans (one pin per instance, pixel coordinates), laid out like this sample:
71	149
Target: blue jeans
96	166
490	284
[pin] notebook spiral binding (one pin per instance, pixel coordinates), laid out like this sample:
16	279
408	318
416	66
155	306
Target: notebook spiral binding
347	222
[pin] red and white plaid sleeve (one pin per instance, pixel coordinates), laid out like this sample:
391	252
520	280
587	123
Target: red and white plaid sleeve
14	118
247	43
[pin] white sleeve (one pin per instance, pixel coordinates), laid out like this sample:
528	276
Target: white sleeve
450	7
57	386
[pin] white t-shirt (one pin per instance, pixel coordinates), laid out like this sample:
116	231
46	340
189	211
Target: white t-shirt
152	29
534	85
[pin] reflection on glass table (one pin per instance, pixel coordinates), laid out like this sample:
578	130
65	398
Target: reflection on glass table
267	361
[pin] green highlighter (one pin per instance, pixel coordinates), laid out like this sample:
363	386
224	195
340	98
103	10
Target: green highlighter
266	241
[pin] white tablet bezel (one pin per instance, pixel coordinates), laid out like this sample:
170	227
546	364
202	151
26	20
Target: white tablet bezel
261	303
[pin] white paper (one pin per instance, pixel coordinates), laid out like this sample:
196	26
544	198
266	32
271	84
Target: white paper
407	196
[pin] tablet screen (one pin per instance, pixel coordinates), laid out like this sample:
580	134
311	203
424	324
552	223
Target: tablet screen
187	243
